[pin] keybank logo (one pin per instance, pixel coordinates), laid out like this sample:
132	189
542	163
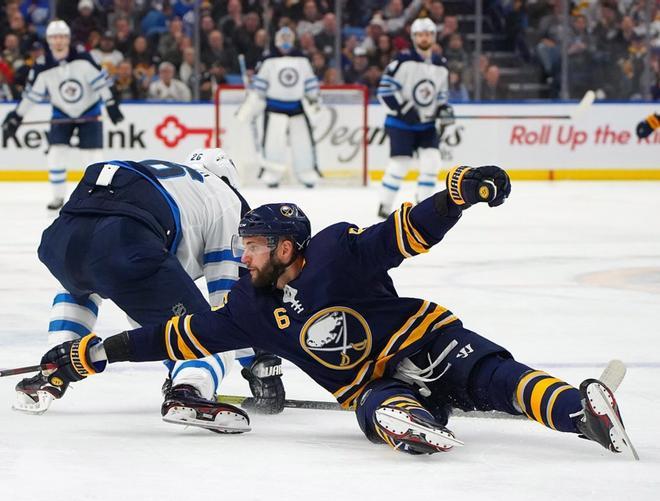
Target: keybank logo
34	139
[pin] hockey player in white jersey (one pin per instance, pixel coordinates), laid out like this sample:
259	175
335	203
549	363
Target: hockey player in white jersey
414	88
140	233
287	91
75	86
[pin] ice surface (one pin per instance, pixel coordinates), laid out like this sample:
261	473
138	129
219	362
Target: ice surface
565	275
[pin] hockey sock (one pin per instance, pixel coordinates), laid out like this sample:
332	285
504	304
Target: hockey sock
71	318
204	374
429	165
394	174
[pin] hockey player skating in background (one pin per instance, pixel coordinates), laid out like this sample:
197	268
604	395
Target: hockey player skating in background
414	88
139	233
328	305
75	86
286	90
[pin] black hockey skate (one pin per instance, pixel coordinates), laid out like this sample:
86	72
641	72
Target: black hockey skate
600	419
382	213
403	430
55	204
184	405
35	394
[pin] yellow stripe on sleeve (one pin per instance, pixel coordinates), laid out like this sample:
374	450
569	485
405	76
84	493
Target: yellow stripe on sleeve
168	343
181	344
188	330
399	234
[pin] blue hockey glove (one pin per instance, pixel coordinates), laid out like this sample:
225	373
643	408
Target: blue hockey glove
646	127
468	185
11	124
73	361
265	378
445	115
114	112
408	113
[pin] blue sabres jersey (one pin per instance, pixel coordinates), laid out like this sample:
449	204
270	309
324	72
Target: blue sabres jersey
341	320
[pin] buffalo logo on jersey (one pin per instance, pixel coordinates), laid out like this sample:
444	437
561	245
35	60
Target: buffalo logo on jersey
71	90
424	92
337	337
286	211
288	77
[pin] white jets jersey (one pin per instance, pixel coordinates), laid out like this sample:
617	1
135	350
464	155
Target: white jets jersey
73	86
209	212
410	78
286	78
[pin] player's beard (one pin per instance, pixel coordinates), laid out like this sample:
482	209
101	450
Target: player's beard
424	46
268	275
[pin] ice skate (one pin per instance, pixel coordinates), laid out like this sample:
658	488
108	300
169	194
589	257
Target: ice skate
600	419
55	204
413	434
382	212
35	394
183	405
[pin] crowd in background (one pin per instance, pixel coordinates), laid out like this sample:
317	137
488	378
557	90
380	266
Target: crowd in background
148	45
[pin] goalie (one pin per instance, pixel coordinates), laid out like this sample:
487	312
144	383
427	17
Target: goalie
286	90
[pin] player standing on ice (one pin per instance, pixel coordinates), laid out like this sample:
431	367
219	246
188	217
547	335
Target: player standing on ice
414	88
75	86
287	91
140	233
328	305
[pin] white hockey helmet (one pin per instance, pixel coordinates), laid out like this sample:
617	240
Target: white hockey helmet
284	39
422	24
58	27
216	161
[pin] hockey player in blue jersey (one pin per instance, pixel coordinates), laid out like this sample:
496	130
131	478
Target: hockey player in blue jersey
414	90
140	233
75	86
328	305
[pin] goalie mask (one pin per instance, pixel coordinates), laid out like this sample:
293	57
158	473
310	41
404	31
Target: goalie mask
216	161
284	39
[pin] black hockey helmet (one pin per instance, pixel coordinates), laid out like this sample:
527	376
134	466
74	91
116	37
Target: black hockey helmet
277	220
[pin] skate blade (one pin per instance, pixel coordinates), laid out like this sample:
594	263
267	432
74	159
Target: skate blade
601	404
26	405
224	422
400	423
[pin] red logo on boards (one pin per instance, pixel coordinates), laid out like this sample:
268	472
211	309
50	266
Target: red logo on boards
171	131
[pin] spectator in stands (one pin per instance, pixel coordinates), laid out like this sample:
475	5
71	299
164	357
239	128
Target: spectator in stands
457	90
187	68
311	20
358	66
206	26
436	13
210	80
579	58
5	89
374	30
37	14
106	55
126	86
166	87
11	52
307	45
492	89
6	71
18	27
609	48
370	78
168	43
229	23
515	25
319	65
257	49
449	28
35	56
244	35
454	52
632	69
123	34
384	52
331	77
217	52
85	23
325	39
396	18
123	9
144	63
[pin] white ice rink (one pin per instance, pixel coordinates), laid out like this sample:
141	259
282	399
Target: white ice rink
565	275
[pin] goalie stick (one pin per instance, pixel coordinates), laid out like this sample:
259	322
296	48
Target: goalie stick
585	103
611	376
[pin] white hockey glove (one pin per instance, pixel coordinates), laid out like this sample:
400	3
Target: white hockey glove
251	107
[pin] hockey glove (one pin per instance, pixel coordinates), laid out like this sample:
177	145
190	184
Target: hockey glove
468	185
114	112
445	115
646	127
73	361
408	113
265	379
11	124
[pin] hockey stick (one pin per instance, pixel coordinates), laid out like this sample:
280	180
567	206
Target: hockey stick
611	376
25	370
579	110
55	121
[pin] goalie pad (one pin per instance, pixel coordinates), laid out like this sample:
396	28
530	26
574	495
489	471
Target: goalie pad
252	107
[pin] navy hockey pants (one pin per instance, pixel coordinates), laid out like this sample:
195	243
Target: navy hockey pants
122	259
